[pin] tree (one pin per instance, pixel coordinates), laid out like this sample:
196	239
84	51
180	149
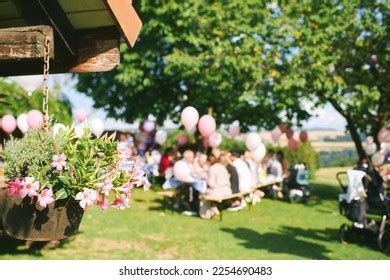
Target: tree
254	62
342	57
207	54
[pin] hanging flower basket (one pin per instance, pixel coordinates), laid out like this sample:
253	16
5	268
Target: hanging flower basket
22	219
53	174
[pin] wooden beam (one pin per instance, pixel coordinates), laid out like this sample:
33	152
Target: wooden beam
24	43
98	53
126	18
49	12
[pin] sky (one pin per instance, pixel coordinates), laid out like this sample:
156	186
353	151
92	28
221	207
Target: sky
325	118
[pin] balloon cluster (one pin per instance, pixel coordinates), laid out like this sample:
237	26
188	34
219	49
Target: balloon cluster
254	144
292	144
378	156
31	120
206	127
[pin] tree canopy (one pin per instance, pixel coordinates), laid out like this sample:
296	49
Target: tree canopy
254	61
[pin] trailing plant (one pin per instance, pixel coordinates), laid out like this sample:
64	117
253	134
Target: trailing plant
53	166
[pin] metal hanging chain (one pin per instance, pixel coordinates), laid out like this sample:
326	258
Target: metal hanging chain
46	67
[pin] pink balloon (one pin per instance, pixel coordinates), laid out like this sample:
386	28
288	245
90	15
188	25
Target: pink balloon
384	135
189	118
181	139
252	141
215	139
289	133
81	115
35	119
282	127
234	130
182	171
292	144
303	136
206	125
276	133
205	142
8	123
148	126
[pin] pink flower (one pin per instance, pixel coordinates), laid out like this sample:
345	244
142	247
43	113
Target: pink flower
106	187
14	187
103	202
58	162
87	197
46	197
121	203
126	189
30	187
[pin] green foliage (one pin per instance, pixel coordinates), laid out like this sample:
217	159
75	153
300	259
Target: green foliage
14	100
30	155
88	160
231	144
204	54
250	61
347	157
305	153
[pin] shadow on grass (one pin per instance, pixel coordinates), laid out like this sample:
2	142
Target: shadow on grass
12	246
285	241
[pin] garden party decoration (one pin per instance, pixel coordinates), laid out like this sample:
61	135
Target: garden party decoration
189	118
22	123
215	139
53	177
252	141
207	125
8	124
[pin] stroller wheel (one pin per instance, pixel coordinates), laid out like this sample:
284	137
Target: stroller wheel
344	233
384	241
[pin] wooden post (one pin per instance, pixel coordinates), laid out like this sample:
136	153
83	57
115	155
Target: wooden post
25	43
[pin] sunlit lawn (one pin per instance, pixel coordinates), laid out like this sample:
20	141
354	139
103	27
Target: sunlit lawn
269	230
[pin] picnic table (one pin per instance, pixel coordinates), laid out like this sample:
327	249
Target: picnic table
170	194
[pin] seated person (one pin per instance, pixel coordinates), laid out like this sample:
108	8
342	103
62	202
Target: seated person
244	173
218	182
284	163
227	162
198	184
274	167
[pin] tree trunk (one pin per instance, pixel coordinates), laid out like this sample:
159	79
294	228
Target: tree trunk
352	130
356	139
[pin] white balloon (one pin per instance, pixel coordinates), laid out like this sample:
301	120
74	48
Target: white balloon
29	83
57	127
161	137
79	130
252	141
259	153
22	123
378	158
370	149
97	127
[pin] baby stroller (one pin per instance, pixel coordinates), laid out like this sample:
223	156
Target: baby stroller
353	203
296	187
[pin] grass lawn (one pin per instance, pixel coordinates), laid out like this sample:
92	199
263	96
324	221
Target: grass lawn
270	230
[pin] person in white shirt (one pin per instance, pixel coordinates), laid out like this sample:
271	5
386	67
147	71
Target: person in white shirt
244	173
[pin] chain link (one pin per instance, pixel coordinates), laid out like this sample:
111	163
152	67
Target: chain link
46	67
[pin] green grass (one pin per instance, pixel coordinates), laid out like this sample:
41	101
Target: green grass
269	230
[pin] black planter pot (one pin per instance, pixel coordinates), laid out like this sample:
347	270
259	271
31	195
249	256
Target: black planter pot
20	218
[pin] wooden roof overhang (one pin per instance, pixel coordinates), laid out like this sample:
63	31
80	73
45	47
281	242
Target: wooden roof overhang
85	34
